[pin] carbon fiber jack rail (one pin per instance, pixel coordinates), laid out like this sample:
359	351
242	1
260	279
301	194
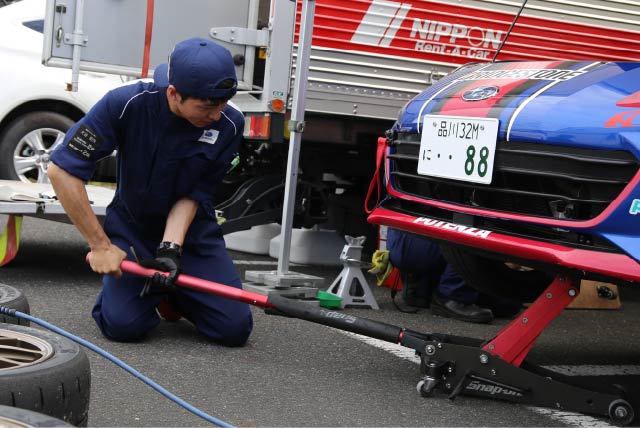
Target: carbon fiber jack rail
494	369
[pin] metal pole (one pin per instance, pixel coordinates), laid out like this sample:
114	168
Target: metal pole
77	46
296	126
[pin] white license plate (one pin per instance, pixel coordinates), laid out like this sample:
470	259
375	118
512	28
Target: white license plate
461	148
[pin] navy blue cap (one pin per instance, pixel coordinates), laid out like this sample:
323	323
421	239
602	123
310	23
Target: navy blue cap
196	68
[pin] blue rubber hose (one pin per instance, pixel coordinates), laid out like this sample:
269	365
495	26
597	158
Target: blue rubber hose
116	361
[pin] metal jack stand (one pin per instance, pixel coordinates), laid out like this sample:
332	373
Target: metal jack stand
353	293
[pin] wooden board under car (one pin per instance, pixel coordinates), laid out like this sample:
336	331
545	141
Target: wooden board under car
590	299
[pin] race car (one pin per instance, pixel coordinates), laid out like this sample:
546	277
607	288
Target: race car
523	171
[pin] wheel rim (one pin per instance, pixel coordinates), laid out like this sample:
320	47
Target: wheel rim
31	155
12	423
22	350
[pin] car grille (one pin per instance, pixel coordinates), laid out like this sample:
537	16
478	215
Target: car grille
530	179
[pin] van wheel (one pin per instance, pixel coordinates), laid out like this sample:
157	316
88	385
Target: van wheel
12	298
12	417
27	143
496	277
45	373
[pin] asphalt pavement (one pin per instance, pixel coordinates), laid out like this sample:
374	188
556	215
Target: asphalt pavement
296	373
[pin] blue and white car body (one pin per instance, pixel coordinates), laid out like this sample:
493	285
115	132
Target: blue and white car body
534	163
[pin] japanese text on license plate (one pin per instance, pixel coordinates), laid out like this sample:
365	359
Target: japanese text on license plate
460	148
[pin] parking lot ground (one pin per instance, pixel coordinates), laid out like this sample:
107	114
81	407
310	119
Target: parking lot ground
296	373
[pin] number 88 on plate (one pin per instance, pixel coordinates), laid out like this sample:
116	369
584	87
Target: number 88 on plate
459	148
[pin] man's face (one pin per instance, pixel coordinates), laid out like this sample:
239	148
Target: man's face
200	112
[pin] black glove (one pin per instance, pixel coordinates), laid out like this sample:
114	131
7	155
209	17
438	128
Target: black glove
167	260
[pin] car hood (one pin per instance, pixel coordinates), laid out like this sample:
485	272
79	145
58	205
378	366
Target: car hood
585	104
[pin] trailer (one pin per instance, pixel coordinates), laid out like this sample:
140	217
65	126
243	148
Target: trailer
38	200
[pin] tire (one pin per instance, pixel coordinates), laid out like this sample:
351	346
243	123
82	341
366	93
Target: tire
45	130
12	298
12	417
495	277
52	376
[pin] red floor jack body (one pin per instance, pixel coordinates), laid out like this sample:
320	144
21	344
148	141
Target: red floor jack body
494	369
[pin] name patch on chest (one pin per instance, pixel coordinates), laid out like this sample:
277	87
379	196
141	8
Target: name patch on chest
84	142
209	136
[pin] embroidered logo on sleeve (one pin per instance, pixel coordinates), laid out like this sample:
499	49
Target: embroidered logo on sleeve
84	142
209	136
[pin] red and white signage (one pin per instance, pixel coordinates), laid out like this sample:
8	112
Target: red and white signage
447	32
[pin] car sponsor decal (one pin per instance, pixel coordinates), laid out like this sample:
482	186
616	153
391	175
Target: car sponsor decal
626	119
517	84
629	118
439	224
524	74
512	80
509	89
618	265
635	207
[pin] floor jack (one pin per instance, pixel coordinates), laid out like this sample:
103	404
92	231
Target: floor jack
494	369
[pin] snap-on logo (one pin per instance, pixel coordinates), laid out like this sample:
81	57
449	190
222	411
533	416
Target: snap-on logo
492	389
480	93
479	233
635	207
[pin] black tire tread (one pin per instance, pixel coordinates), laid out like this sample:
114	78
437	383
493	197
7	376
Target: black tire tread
21	126
58	387
13	298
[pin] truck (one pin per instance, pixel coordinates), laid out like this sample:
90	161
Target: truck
368	58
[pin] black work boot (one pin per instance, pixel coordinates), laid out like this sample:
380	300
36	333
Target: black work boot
411	291
461	311
501	307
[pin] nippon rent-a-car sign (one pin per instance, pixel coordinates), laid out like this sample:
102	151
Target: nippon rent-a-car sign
452	33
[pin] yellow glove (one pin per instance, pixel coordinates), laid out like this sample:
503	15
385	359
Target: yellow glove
382	267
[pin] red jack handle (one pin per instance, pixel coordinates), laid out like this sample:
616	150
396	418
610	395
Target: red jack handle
282	305
198	284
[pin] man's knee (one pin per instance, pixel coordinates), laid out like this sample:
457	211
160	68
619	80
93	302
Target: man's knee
123	328
229	331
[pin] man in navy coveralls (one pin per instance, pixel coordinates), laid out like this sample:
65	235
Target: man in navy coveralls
175	139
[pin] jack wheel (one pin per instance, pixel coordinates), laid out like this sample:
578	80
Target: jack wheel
426	386
621	413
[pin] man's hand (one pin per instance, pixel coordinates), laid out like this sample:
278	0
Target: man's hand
168	260
107	261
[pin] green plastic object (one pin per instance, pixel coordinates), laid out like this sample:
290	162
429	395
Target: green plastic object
329	300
